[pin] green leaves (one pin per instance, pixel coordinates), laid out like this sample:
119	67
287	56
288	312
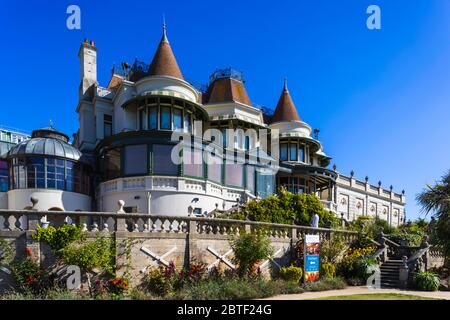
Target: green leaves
287	207
59	237
249	248
435	199
426	281
90	254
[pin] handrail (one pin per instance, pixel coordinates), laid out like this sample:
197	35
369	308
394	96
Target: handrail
392	242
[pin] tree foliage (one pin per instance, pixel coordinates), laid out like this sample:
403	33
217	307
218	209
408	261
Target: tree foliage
435	200
287	207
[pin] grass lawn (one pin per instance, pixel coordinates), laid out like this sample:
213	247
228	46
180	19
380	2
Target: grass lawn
376	296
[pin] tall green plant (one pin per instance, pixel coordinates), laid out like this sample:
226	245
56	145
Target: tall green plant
249	249
436	200
287	207
58	237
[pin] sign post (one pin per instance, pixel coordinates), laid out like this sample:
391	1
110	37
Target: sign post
312	258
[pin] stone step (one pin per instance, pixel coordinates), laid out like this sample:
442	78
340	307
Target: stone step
389	285
388	267
389	281
390	276
394	262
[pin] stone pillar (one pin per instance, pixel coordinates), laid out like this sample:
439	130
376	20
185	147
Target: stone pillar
403	274
191	242
33	245
120	235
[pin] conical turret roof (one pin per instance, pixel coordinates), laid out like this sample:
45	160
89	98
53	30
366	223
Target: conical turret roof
285	110
164	62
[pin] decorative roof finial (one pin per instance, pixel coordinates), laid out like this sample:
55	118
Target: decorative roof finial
164	38
285	88
50	124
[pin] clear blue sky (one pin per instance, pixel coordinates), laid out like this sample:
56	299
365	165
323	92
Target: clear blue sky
380	98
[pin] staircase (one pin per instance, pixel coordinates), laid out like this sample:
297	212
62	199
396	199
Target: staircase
390	271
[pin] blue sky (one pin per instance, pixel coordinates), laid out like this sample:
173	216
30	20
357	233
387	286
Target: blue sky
381	98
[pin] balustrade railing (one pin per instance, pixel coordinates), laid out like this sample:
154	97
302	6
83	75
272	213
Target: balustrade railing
109	222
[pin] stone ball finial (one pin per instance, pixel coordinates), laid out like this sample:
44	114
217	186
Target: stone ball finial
391	187
34	202
352	173
367	178
121	204
334	167
403	192
379	183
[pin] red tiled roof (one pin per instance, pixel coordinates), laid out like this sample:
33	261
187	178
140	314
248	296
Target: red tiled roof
226	90
285	110
115	81
164	62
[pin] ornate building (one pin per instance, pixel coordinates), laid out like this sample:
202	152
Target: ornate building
130	129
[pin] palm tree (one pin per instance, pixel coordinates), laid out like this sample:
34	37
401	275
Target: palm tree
435	200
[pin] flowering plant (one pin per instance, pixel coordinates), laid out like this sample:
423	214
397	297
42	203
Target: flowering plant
119	285
27	272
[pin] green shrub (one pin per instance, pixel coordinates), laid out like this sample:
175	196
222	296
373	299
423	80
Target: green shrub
349	267
327	270
58	237
426	281
291	273
365	266
6	252
287	207
330	249
249	249
234	287
28	275
158	282
371	227
90	254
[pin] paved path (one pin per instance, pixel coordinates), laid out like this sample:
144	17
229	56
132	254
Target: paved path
359	290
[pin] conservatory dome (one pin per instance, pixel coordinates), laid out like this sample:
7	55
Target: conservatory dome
46	142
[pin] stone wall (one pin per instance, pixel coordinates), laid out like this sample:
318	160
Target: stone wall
158	240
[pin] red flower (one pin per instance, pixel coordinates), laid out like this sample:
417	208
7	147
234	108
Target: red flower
28	251
29	280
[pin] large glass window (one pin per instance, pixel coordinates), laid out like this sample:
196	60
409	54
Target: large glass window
135	159
264	184
165	118
250	178
225	138
301	151
152	118
293	152
187	122
50	173
283	152
55	174
142	119
36	172
234	174
214	168
4	185
107	125
112	164
162	161
193	162
177	118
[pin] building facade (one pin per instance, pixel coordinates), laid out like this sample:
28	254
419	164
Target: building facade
167	146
